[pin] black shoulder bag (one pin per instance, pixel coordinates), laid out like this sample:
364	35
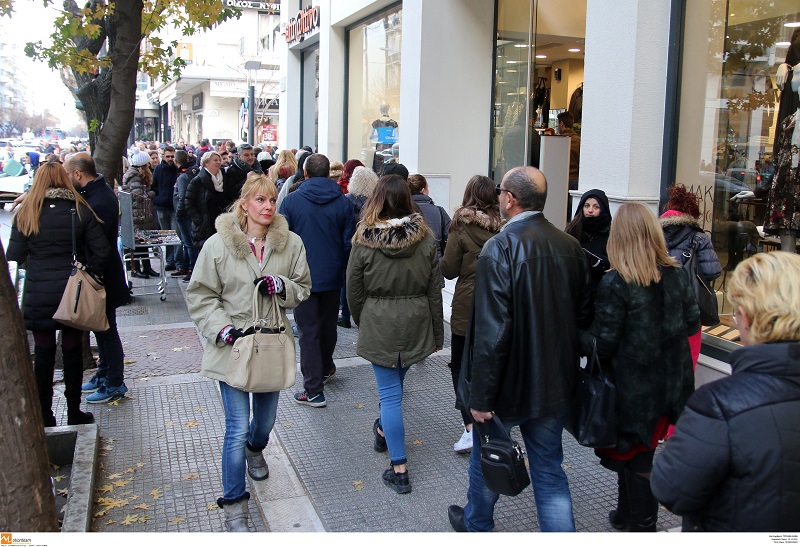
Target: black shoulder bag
705	295
502	460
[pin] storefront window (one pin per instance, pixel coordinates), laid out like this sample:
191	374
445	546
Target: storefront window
373	132
538	70
310	111
731	111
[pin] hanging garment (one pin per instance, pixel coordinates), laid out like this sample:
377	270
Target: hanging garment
576	104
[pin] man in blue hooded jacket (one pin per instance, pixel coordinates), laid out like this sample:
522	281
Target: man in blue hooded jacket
323	218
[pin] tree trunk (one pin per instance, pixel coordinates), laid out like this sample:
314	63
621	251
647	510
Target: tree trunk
124	54
26	497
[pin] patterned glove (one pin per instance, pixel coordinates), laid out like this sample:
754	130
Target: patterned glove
229	335
272	285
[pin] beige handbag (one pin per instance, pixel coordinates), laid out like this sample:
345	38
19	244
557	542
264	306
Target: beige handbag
83	305
264	360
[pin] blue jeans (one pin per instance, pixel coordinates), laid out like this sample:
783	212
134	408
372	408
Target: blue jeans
110	364
185	233
343	303
240	430
542	438
390	391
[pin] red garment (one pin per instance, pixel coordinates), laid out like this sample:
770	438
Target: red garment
659	433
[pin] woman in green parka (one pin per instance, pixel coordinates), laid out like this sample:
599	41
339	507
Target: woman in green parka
477	220
395	298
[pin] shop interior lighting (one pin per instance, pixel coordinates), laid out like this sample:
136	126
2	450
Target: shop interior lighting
540	56
793	24
783	44
573	50
512	62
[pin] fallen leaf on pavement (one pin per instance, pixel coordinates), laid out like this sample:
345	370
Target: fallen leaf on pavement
62	492
192	476
417	442
192	424
106	488
102	454
115	476
130	519
100	513
129	361
287	425
59	478
358	484
114	403
144	518
201	409
359	406
168	424
159	435
212	506
130	470
140	465
176	520
133	497
110	522
177	349
142	506
156	493
121	482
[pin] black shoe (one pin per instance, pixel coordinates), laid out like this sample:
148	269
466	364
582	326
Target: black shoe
170	268
180	273
151	272
140	275
455	513
380	440
618	520
397	481
79	418
188	277
329	376
344	324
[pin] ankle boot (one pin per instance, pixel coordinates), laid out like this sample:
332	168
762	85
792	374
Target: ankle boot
44	362
644	505
236	514
620	516
73	378
257	466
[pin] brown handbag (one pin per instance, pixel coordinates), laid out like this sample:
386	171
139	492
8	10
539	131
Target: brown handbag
263	360
83	305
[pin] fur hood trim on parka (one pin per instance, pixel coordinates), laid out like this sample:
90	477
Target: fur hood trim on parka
59	193
393	234
471	215
675	218
236	240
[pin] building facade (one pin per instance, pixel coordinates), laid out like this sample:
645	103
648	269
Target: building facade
678	92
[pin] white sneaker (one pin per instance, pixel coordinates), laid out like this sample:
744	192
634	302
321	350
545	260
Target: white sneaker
464	444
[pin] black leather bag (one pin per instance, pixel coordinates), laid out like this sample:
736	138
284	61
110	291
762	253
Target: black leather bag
502	460
593	420
705	295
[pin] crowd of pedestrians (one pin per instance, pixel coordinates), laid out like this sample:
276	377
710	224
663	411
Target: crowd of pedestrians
340	244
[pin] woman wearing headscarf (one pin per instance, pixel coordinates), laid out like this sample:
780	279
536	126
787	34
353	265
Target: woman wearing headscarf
590	226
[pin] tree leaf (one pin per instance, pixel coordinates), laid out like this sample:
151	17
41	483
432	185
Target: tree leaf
176	520
192	476
59	478
156	493
142	506
192	424
130	519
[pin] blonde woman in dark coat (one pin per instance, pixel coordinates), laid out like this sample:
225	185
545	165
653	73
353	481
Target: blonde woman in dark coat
477	220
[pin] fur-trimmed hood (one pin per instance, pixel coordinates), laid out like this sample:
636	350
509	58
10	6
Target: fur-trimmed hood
470	215
362	182
237	242
59	193
676	218
394	237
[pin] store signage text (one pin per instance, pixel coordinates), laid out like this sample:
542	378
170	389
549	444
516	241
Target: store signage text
305	21
273	7
197	101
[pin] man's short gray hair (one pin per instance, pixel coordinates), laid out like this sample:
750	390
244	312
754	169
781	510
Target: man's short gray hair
530	193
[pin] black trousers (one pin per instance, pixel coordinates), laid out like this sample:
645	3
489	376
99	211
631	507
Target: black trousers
111	356
456	353
316	320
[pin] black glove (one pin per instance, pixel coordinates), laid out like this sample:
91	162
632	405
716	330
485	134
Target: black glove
229	335
272	284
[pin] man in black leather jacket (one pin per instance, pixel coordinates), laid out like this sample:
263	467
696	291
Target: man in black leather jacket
531	294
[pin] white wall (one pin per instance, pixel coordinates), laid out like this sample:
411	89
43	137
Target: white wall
445	95
623	108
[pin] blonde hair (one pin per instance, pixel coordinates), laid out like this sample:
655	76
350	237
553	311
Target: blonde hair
767	287
284	157
636	246
49	175
256	183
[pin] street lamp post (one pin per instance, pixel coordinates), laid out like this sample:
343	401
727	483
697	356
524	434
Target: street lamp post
250	66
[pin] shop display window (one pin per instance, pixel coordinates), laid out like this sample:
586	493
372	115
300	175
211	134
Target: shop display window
373	94
731	113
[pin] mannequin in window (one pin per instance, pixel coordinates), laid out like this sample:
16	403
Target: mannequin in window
783	79
783	195
384	135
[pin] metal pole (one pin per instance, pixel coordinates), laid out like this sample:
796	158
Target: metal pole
251	116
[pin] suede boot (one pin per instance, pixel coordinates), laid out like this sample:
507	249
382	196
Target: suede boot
257	466
44	362
73	378
644	505
620	516
236	514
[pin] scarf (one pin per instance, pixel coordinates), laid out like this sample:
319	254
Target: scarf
216	179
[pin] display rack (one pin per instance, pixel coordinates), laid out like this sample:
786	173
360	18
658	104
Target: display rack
139	244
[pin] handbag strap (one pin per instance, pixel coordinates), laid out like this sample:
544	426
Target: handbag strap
594	359
73	213
275	310
495	424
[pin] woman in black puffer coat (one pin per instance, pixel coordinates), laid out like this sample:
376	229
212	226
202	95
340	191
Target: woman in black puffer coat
206	198
41	238
732	464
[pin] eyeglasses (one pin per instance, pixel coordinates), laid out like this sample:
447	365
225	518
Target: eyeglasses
500	190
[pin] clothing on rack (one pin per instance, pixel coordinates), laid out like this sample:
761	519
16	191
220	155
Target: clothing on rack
576	103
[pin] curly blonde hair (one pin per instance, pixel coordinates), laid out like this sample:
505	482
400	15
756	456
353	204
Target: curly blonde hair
767	287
